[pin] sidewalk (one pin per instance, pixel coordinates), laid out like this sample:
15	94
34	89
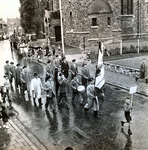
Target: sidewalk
13	139
123	81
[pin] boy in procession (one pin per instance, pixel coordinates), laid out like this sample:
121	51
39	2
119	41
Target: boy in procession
127	113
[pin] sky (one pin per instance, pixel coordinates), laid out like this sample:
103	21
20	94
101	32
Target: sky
9	9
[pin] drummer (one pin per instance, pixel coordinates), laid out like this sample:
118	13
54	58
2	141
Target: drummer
74	86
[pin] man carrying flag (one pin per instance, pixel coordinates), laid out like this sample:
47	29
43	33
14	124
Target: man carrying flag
100	79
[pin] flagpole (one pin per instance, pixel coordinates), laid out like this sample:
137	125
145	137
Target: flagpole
61	26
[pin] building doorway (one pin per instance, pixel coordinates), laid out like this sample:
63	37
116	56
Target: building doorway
58	33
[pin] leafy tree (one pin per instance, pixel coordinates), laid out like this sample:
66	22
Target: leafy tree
32	15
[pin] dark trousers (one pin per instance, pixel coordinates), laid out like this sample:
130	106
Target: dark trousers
17	84
11	79
48	100
62	95
74	95
24	87
6	94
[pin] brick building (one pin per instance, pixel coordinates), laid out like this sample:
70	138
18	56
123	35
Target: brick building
87	21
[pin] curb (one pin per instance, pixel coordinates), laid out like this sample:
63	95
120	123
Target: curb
23	136
125	88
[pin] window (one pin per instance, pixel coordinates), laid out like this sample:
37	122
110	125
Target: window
126	7
147	8
94	21
71	26
109	21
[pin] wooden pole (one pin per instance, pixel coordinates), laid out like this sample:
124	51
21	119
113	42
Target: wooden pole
138	47
61	18
120	47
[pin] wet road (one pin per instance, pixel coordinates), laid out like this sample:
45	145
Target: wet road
72	127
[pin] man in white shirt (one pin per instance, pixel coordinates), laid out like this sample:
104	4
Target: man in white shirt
36	87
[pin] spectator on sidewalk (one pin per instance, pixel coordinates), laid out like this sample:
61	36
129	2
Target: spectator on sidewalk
92	98
127	113
143	71
6	90
4	115
36	87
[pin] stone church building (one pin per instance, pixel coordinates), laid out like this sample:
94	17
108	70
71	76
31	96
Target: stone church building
87	21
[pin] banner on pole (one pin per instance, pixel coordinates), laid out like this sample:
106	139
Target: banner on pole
133	90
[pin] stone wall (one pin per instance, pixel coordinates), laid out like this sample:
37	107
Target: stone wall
77	21
79	24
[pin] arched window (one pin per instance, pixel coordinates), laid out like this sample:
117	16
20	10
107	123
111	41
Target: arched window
126	7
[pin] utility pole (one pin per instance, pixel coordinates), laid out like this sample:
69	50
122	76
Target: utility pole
61	18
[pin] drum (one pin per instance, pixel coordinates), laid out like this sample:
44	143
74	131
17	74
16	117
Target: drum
81	88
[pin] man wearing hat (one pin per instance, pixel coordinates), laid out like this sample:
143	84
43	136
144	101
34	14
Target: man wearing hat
56	61
143	71
11	72
18	71
85	75
74	85
62	89
74	68
50	71
7	68
64	67
127	113
25	80
50	94
92	98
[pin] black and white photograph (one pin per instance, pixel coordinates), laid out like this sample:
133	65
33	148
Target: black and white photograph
73	74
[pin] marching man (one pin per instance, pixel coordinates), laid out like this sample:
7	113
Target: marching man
92	98
100	80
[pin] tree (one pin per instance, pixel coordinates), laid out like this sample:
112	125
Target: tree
28	15
32	16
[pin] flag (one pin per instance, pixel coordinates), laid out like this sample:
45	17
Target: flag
100	79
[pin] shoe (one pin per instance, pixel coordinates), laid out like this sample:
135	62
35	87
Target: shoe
122	123
81	103
96	114
129	132
136	79
54	112
86	109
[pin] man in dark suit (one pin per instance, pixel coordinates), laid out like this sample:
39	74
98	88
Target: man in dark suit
74	68
64	67
142	70
85	75
18	76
